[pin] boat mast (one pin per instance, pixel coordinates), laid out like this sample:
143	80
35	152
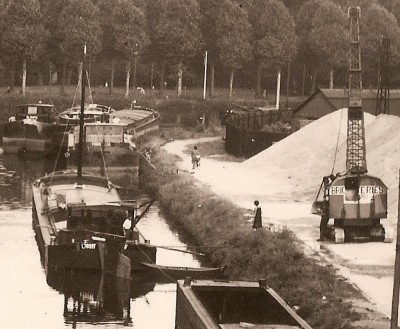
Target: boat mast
81	120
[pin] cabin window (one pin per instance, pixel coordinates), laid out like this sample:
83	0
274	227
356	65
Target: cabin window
32	110
351	188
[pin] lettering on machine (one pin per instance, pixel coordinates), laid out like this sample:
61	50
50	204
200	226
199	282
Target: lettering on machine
362	190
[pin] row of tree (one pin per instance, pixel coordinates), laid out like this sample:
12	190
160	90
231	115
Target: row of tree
251	37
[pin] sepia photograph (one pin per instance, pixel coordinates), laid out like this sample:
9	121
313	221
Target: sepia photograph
200	164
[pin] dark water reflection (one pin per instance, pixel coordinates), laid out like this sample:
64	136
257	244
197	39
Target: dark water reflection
73	301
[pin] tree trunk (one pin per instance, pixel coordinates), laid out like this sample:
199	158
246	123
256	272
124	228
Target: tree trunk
314	80
232	74
40	76
12	75
258	82
151	78
112	77
24	76
69	76
212	79
278	89
128	76
135	61
50	74
287	84
331	78
162	78
180	79
64	75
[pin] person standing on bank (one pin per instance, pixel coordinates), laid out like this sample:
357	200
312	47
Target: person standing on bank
257	216
195	155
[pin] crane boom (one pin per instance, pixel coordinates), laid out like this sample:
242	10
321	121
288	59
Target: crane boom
355	200
355	153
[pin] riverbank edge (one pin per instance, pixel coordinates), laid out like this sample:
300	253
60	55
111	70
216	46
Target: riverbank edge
321	296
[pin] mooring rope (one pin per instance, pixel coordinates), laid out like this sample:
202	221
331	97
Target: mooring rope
161	270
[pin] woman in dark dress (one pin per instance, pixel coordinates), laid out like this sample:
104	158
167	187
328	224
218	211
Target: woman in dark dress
257	217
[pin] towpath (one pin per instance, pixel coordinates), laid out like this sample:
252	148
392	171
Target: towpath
369	266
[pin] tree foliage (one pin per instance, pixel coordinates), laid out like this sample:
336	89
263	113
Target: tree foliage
233	34
174	29
304	27
273	31
79	24
329	35
376	22
209	15
129	28
22	31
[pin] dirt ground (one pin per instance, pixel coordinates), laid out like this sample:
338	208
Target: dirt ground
368	266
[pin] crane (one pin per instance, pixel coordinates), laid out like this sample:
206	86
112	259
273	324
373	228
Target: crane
355	200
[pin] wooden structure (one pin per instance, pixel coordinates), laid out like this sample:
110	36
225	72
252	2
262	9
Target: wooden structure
251	133
168	273
92	113
137	120
108	151
206	304
325	101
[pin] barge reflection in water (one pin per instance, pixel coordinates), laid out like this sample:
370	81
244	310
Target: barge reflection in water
28	301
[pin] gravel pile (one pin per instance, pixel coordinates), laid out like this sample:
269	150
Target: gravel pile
293	168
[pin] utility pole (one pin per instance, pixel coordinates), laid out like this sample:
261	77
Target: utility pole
135	59
287	84
205	76
151	78
394	319
278	89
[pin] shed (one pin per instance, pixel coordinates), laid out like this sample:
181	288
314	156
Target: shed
325	101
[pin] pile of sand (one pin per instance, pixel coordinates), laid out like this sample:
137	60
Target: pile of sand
293	168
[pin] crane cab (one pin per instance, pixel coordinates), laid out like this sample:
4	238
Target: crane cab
357	203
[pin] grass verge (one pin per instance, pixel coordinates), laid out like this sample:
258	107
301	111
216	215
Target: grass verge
323	298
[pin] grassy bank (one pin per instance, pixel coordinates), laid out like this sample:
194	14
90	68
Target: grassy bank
323	298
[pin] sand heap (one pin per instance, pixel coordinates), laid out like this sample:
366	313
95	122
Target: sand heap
298	162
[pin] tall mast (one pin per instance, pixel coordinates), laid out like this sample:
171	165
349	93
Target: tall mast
81	119
355	154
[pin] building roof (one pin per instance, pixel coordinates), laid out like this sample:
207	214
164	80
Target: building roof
324	101
366	93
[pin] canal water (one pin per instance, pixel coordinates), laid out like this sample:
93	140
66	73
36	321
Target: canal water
28	300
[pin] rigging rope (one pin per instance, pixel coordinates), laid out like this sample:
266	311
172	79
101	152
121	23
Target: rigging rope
336	152
337	141
150	260
63	138
102	153
78	88
90	89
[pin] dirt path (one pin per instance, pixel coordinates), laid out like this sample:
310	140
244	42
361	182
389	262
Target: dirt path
369	266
